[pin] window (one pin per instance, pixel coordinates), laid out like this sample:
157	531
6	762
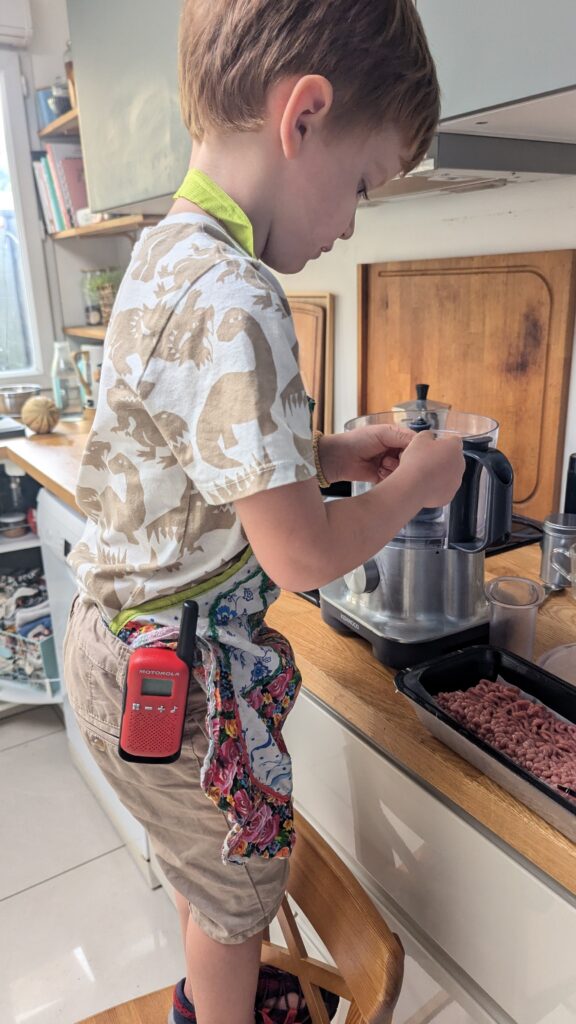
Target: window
26	334
15	348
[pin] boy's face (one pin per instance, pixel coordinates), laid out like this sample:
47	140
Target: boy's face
316	203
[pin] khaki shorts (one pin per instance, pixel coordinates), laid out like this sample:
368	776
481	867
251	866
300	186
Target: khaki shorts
230	902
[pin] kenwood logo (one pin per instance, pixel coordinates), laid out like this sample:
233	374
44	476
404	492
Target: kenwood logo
349	622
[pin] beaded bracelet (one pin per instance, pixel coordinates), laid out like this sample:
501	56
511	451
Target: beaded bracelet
323	482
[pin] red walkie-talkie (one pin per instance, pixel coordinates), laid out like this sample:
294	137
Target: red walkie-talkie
155	694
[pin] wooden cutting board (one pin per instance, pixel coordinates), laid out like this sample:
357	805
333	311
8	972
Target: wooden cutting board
310	327
491	335
313	316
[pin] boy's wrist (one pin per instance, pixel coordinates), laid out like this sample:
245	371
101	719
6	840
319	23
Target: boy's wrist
320	459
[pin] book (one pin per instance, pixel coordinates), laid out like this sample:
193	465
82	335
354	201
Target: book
58	218
74	185
58	152
42	190
58	187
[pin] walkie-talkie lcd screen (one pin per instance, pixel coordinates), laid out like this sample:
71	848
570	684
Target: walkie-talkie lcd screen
156	687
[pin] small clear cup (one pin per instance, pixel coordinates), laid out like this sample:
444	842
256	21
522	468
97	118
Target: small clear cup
514	604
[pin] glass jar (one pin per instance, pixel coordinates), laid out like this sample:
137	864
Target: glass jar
90	293
16	499
65	383
99	288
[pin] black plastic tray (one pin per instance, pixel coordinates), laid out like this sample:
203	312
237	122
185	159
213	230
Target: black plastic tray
465	668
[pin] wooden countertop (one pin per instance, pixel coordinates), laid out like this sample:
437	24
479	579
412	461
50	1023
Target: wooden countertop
51	459
342	672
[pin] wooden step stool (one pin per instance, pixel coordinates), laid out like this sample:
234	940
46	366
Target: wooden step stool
369	958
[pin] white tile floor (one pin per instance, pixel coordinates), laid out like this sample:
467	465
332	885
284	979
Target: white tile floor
79	928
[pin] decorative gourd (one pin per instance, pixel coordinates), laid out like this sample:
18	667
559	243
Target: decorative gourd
40	414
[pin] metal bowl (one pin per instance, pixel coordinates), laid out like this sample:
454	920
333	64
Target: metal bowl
13	396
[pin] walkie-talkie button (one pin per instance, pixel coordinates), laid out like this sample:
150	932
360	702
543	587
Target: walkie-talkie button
174	710
148	707
161	708
135	707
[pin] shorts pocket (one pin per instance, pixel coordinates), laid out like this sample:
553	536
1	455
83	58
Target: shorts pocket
94	670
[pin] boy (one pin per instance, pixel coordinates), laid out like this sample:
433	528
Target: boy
200	477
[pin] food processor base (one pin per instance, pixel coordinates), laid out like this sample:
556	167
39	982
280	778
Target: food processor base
400	654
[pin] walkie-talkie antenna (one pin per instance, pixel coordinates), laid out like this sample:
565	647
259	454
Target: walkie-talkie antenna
186	648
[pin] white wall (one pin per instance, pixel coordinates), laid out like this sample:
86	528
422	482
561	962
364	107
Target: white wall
517	218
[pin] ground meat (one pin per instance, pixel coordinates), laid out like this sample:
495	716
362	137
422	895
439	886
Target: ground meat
526	731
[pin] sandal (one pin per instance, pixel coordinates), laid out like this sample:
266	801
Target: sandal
276	986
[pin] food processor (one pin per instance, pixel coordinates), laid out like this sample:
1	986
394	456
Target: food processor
423	593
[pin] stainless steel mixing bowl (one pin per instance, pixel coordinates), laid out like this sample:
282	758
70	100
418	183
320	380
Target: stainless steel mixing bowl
13	396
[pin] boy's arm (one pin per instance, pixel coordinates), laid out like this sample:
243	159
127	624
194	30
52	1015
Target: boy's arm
302	542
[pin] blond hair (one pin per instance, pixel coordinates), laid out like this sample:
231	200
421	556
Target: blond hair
373	52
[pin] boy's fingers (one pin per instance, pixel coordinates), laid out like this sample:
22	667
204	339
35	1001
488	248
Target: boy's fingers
387	435
387	465
394	437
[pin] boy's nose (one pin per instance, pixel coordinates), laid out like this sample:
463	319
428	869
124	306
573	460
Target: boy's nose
349	230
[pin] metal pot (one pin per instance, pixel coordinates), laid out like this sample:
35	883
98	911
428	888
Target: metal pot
13	396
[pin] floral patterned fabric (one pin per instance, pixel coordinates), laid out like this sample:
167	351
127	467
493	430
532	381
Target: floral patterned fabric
251	684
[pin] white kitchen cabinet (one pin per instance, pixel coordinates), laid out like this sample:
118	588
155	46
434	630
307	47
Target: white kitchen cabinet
492	933
499	51
59	529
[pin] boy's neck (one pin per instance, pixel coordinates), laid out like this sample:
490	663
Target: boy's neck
240	165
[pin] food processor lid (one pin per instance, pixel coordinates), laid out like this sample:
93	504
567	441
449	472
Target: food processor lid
421	403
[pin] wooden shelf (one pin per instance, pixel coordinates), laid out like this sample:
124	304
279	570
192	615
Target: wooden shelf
114	226
28	540
67	124
90	333
26	693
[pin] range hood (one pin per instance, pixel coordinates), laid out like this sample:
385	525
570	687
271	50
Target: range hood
527	141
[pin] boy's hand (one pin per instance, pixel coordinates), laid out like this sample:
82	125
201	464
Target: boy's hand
367	453
435	466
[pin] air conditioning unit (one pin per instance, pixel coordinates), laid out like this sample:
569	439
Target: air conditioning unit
15	23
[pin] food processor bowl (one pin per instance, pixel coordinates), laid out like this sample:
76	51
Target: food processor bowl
466	425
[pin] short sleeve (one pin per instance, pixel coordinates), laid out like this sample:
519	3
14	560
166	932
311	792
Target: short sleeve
223	386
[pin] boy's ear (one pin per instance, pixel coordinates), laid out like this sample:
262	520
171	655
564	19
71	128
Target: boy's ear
305	112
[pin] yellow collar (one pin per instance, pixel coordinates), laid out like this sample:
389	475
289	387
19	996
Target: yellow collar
198	188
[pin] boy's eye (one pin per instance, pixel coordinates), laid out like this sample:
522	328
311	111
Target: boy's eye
362	193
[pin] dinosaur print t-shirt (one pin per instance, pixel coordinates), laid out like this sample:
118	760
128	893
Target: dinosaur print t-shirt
201	402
